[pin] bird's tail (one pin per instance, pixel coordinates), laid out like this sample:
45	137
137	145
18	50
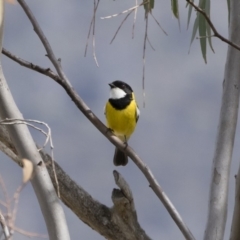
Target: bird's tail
120	158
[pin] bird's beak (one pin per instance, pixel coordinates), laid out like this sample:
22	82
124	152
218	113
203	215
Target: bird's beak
111	85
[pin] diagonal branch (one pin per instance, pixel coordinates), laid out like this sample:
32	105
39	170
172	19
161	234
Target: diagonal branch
103	129
56	62
215	32
99	125
46	71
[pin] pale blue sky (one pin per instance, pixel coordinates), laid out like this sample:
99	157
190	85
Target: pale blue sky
176	132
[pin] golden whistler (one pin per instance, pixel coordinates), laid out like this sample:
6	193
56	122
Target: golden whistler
122	114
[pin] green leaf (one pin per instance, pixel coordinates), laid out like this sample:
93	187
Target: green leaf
202	4
189	14
202	35
209	33
228	6
195	28
175	10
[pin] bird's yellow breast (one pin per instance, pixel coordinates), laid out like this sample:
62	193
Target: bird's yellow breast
122	122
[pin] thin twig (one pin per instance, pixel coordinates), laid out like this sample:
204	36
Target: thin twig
121	25
93	32
29	234
9	225
134	19
216	34
90	28
88	37
89	32
150	44
48	138
16	201
56	63
6	196
125	11
144	59
158	24
45	71
5	229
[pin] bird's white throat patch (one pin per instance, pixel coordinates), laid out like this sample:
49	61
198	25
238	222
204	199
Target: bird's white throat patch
116	93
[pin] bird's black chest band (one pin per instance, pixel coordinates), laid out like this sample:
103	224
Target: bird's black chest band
121	103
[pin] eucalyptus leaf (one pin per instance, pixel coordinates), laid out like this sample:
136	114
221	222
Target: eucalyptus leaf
195	28
209	32
189	14
175	10
202	35
228	6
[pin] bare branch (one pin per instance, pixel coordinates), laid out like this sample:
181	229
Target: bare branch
4	227
134	19
45	71
29	234
9	226
216	34
103	129
92	24
144	58
93	32
158	24
218	197
125	11
56	63
121	25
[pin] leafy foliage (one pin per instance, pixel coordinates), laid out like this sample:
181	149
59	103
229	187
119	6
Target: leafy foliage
202	26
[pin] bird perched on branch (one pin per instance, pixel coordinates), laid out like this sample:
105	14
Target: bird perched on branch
122	114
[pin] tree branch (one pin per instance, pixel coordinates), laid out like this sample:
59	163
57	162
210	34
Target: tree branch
25	146
4	226
102	128
45	71
215	32
119	222
217	212
56	62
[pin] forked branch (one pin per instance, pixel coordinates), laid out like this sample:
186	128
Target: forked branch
65	83
209	21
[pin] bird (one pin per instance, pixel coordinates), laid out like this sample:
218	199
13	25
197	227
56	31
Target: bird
122	114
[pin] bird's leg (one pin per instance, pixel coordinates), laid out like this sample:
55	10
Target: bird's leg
125	142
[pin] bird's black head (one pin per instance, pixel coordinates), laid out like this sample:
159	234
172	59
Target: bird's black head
122	85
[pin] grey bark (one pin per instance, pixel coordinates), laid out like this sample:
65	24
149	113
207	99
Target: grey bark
25	147
217	211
